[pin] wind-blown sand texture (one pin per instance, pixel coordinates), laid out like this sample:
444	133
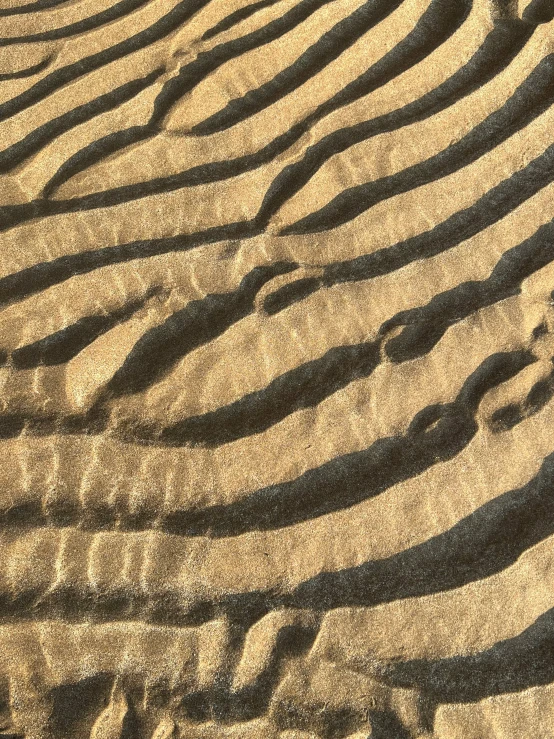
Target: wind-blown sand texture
276	369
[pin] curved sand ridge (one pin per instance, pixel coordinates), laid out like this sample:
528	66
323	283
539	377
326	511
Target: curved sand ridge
276	369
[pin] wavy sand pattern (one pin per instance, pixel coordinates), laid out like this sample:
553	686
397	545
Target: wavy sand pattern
276	369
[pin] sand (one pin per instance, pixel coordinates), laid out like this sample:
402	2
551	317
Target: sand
276	369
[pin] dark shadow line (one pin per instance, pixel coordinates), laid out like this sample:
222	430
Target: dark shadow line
236	17
509	666
539	11
115	12
31	280
31	7
512	414
199	322
29	72
63	345
302	387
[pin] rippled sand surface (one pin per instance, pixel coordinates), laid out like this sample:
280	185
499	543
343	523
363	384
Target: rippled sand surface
276	369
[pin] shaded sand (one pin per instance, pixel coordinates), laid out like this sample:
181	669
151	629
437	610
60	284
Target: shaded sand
276	369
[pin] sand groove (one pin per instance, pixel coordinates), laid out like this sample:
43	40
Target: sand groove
276	369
